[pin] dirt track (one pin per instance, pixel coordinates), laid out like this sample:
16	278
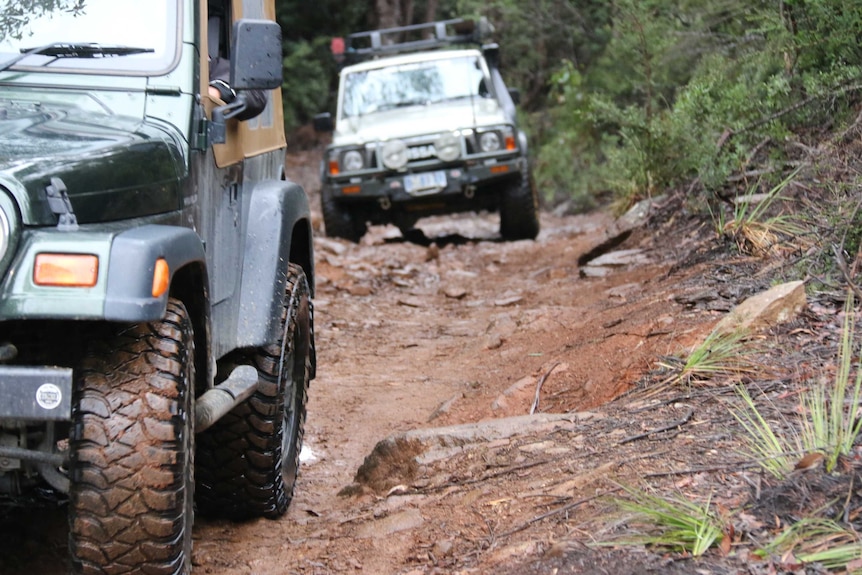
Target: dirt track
454	329
458	327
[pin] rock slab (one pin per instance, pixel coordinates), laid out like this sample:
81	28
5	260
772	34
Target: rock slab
777	305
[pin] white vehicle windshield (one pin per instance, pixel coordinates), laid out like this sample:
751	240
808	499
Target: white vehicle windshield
89	35
413	84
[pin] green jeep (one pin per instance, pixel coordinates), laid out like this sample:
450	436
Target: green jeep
156	274
424	126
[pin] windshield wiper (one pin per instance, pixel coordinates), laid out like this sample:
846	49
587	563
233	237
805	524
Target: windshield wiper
89	50
74	50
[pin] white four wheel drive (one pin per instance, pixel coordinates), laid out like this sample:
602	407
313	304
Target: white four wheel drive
424	125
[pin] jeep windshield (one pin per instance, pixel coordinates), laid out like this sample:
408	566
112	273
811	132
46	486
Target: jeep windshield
89	36
428	82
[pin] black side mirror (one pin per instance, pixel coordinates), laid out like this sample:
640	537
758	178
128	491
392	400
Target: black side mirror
515	94
255	64
256	60
323	122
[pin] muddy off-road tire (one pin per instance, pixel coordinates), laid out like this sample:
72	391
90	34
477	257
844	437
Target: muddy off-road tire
247	463
519	210
338	221
132	448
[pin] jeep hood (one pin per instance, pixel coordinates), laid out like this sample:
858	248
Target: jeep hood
113	167
418	121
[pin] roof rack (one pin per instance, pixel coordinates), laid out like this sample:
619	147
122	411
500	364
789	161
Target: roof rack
429	36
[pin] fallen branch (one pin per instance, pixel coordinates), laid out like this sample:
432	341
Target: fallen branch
845	271
563	509
539	388
673	425
694	470
840	89
495	475
653	406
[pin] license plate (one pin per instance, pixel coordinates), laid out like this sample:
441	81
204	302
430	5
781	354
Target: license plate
425	183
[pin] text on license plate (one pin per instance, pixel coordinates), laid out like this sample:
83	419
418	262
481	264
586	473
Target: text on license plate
426	182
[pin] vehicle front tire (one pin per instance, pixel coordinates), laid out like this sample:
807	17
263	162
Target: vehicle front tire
338	221
519	210
132	451
248	461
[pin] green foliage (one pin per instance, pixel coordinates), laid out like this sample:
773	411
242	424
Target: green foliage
829	425
545	44
322	19
310	73
770	448
566	157
718	104
681	525
825	33
690	89
307	80
720	354
822	541
752	229
535	36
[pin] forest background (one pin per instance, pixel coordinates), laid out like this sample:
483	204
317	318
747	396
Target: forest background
625	99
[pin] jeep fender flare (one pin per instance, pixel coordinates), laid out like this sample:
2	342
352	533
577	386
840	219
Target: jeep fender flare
134	253
279	216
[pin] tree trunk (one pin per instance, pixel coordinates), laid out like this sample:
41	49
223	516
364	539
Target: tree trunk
431	10
406	12
388	13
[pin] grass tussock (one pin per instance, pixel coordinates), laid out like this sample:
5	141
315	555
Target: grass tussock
828	424
818	540
721	354
674	522
755	228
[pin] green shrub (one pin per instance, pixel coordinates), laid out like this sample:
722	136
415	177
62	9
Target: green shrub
690	89
308	68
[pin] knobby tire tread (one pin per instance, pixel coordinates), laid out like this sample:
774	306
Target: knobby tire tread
245	466
132	446
338	222
519	211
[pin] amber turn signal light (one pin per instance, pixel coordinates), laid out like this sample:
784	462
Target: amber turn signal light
161	277
66	270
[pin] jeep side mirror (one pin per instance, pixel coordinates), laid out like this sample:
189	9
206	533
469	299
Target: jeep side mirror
515	94
255	64
323	122
255	55
491	52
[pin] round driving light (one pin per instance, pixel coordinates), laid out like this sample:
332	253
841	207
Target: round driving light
448	147
489	141
352	161
394	154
